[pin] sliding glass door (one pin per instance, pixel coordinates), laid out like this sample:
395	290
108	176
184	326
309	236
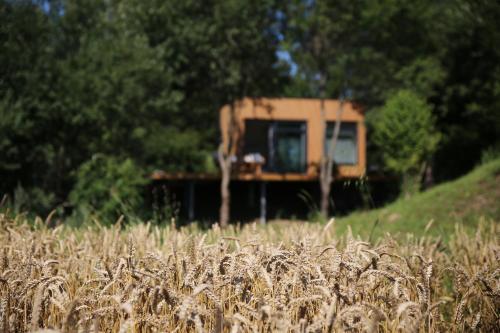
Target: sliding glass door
281	143
288	147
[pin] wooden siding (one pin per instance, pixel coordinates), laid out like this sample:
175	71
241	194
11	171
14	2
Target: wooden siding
295	109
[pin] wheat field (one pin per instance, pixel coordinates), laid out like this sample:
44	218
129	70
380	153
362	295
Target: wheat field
300	277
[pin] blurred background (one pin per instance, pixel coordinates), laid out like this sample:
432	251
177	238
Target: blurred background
95	95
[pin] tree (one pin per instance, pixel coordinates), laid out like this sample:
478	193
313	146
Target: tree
404	130
468	101
124	77
116	78
227	52
365	51
26	52
322	42
243	63
224	157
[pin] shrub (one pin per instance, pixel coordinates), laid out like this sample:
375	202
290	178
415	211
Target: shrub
405	133
28	200
108	186
491	153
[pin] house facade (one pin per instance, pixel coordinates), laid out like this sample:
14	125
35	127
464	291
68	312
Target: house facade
283	139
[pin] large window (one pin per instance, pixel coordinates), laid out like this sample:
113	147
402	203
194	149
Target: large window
288	152
281	143
346	151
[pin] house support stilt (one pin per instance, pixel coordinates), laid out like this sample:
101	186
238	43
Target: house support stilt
190	201
263	202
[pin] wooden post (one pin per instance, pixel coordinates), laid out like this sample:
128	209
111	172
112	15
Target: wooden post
191	201
263	202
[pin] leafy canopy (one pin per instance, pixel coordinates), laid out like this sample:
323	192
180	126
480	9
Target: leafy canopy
125	79
404	130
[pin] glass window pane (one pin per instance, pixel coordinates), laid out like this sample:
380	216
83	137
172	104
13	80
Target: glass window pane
289	147
346	151
288	152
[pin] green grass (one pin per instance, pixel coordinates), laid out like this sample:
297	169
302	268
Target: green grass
466	201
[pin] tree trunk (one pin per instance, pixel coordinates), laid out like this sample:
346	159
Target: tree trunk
325	202
327	161
224	158
225	163
410	184
427	176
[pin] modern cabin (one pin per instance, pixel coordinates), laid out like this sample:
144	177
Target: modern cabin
276	146
283	139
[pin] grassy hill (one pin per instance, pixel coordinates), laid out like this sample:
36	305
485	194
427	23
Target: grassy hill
466	200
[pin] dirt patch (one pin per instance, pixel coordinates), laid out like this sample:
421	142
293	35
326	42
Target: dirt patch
393	217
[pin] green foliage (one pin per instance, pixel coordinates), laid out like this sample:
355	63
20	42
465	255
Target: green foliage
321	37
469	99
124	78
490	154
444	51
145	79
109	186
32	200
405	133
365	50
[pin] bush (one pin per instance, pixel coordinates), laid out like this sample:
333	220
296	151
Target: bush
109	187
491	153
30	200
405	133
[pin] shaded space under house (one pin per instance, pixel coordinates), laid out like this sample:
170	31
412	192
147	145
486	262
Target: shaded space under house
278	146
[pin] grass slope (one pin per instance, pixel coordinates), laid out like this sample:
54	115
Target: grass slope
465	200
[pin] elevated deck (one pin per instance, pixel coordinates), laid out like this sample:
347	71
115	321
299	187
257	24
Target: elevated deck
344	172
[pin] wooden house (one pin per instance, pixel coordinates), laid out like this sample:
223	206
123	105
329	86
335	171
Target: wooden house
288	134
281	140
